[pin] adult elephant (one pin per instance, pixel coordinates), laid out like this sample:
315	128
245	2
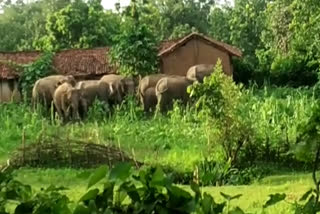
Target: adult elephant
94	89
148	83
199	72
66	98
44	88
172	88
121	85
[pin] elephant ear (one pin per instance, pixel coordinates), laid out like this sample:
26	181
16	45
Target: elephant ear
60	82
71	80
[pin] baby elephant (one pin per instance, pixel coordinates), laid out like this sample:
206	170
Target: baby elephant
94	89
66	98
150	99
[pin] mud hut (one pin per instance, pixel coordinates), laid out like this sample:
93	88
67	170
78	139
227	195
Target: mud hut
81	63
177	56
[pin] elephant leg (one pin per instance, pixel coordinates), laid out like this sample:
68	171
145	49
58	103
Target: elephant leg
145	104
75	112
59	112
161	105
84	105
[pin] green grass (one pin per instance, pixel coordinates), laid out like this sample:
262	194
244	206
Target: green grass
252	200
177	140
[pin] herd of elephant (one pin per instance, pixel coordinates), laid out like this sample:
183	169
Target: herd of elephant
72	99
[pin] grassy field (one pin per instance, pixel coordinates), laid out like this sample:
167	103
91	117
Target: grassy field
178	140
252	200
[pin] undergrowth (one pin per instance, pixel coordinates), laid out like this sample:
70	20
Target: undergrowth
180	140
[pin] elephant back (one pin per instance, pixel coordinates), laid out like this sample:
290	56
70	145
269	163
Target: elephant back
162	85
149	81
198	72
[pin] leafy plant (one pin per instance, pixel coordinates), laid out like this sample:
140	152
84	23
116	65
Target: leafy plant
42	67
135	50
221	99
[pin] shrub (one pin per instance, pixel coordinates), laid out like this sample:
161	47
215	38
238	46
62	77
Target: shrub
42	67
221	100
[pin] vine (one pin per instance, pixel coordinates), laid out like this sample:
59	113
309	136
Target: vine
32	72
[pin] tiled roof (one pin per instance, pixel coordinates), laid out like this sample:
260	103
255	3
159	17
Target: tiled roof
76	62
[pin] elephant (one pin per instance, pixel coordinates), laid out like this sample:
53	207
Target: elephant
94	89
150	99
172	88
199	72
44	88
66	97
122	86
146	82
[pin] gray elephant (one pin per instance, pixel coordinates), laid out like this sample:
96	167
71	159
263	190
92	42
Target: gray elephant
172	88
146	82
122	86
199	72
44	88
94	89
150	99
66	98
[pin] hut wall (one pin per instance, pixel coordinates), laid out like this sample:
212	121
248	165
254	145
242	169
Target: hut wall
9	91
194	52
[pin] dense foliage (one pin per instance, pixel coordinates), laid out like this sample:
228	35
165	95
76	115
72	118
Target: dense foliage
279	43
135	50
42	67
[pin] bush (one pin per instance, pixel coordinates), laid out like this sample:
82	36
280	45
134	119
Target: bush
220	100
293	71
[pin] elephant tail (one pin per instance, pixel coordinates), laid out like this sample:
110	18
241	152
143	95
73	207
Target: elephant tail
162	86
35	95
140	92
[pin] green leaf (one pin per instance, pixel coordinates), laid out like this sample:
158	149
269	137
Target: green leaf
274	199
120	172
24	208
52	188
97	176
158	177
306	195
229	197
196	189
237	210
92	194
80	209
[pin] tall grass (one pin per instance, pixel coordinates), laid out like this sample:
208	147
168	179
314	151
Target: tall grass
178	139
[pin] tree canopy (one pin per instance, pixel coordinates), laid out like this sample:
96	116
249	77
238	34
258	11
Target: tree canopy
279	38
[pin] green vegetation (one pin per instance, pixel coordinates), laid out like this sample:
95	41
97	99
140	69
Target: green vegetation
180	139
227	135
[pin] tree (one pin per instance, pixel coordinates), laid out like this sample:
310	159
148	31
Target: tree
135	50
23	23
246	24
167	17
79	25
220	23
290	50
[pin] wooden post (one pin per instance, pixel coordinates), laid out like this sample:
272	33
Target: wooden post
23	145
